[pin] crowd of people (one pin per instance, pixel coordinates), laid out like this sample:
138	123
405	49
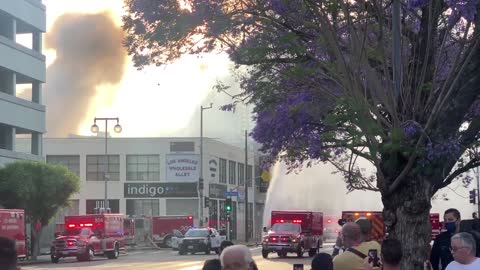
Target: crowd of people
451	250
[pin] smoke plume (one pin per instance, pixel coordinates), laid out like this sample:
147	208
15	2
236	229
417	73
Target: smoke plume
89	53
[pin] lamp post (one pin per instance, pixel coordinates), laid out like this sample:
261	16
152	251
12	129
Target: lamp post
117	128
200	180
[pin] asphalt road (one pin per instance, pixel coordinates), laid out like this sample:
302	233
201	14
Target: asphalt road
167	259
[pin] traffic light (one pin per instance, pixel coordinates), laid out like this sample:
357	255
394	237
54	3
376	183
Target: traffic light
207	201
473	196
200	183
228	204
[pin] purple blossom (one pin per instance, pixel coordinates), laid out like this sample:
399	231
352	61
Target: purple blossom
462	8
411	129
228	107
413	4
285	7
445	149
466	180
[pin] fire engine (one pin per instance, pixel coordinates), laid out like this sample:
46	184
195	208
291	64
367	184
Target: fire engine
330	227
90	235
378	226
295	232
12	225
163	228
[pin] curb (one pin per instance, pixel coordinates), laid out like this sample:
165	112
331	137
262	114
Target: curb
25	263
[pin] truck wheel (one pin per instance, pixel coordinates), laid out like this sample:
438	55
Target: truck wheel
115	253
85	256
217	251
207	251
167	241
300	251
265	253
181	251
312	252
54	258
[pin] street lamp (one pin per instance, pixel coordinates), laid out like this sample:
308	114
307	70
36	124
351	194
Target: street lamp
95	129
200	180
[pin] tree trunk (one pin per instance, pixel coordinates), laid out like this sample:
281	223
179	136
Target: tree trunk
407	216
36	242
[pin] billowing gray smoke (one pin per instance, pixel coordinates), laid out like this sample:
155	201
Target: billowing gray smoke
89	53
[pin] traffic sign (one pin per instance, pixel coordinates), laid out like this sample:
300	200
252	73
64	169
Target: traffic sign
231	193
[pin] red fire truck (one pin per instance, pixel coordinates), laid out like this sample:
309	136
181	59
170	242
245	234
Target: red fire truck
436	224
330	227
378	226
88	236
295	232
12	225
163	227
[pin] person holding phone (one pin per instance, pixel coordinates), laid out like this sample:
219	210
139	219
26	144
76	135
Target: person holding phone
357	249
390	256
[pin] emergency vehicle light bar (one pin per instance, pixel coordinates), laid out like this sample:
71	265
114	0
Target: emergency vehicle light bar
71	225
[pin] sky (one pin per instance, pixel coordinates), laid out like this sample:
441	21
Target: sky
157	101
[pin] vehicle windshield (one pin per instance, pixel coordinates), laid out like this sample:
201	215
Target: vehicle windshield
77	231
74	231
286	227
196	233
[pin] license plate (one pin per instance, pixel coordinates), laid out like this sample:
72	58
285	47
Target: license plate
278	248
190	247
65	252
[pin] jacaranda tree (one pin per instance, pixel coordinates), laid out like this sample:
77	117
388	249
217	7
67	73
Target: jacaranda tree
333	81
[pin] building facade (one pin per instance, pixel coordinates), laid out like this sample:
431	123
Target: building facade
21	115
159	176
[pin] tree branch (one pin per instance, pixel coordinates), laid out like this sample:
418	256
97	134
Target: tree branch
470	165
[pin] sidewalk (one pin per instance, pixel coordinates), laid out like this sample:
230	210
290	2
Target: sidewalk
42	259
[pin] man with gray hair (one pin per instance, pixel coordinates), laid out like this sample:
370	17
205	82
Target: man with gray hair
463	249
237	257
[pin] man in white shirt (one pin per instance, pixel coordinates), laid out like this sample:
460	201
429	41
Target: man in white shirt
463	249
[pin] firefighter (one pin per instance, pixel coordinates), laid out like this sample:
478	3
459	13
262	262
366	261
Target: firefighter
338	245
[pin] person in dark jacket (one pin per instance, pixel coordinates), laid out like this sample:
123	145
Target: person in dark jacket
441	256
212	264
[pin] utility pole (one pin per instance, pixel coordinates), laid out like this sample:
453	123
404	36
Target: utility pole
200	179
246	187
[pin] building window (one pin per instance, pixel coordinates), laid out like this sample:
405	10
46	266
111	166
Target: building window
232	179
143	207
97	165
114	206
249	175
223	171
72	162
143	168
241	174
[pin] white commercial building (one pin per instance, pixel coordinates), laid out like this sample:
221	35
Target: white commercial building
159	176
24	67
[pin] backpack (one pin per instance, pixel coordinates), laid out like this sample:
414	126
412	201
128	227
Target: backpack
472	226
